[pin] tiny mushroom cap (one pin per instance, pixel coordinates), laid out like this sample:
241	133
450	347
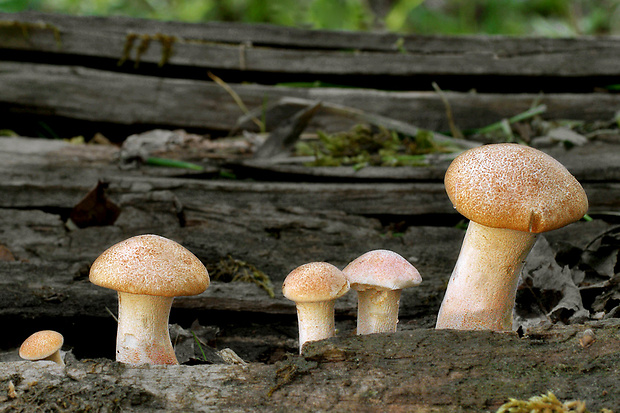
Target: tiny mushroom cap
510	193
378	277
315	287
150	265
515	187
314	282
42	345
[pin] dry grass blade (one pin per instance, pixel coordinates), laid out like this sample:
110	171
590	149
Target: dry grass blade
361	116
237	99
456	132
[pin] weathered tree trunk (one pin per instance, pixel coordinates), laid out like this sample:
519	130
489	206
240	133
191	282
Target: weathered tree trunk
419	370
158	71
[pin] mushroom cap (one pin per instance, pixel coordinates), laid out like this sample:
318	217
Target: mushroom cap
514	186
314	282
382	268
150	265
41	344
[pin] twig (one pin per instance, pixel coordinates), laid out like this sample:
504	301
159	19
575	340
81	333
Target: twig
112	314
599	236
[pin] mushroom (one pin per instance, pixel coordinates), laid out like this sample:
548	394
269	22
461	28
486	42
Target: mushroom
315	287
510	193
379	277
43	345
148	271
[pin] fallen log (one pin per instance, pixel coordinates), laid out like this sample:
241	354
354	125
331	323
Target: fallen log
419	370
130	99
263	48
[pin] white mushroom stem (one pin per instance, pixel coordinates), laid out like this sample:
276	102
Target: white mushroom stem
56	357
377	309
316	321
143	336
482	289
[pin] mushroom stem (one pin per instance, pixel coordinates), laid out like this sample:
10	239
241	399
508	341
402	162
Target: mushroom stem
377	310
316	321
482	289
56	357
143	335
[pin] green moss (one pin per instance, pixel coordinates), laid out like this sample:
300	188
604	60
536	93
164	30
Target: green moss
365	145
230	269
26	27
166	41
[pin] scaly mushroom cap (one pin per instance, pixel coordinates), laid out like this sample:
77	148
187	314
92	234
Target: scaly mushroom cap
314	282
41	344
150	265
516	187
383	269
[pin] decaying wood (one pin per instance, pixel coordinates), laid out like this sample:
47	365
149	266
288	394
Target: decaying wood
420	370
284	215
595	167
288	50
186	103
275	226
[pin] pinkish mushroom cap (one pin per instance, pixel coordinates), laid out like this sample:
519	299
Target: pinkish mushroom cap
383	269
313	282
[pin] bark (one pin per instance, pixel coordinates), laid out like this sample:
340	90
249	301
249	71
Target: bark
273	225
276	49
134	99
420	370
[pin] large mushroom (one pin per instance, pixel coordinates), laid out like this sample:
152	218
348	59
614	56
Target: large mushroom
314	287
510	193
379	277
43	345
148	271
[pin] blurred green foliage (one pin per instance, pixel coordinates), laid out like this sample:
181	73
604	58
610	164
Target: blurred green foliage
510	17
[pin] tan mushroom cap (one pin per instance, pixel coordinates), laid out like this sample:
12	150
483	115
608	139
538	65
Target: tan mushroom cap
41	344
383	269
314	282
516	187
150	265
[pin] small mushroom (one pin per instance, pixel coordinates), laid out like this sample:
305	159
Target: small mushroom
379	277
148	271
315	287
43	345
510	193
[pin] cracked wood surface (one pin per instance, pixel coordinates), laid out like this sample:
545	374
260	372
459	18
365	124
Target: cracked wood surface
264	48
136	99
275	226
423	370
60	55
